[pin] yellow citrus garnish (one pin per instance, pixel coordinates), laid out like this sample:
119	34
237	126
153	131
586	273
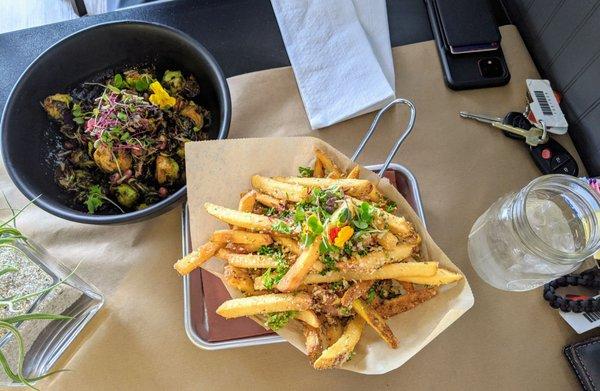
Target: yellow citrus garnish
160	97
343	236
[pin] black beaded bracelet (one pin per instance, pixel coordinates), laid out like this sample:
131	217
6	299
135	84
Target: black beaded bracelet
589	278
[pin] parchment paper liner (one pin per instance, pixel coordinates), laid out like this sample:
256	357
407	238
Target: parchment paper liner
219	170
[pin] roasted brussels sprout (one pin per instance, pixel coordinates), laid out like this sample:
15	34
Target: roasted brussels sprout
167	169
140	81
191	111
105	159
81	159
57	106
191	87
126	195
174	81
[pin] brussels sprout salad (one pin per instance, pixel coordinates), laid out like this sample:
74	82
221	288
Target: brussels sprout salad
121	141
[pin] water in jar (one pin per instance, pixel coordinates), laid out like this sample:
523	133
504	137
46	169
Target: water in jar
498	254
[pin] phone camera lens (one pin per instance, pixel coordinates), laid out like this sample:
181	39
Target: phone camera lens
490	67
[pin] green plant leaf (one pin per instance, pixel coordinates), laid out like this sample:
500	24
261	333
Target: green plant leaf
13	330
113	89
35	316
118	81
7	270
42	291
19	211
314	225
18	377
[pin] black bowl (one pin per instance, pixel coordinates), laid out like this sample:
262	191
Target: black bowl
26	140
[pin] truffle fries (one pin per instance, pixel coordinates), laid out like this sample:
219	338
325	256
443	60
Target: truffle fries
324	249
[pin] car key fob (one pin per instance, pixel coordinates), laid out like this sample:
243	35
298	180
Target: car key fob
518	120
553	158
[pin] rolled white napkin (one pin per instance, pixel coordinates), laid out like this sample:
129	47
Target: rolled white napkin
339	73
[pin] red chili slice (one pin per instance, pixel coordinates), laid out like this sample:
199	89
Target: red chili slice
333	233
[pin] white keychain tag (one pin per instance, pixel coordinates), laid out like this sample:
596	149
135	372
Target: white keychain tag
543	105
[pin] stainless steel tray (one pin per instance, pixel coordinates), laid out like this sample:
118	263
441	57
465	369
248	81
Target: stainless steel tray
197	316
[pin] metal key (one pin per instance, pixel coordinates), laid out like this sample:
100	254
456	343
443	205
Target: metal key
534	136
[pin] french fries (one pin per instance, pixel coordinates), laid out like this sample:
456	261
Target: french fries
322	250
441	277
397	271
387	240
289	243
354	173
396	224
333	332
406	271
326	161
278	189
294	276
314	342
342	349
247	261
246	220
377	259
309	317
247	202
354	187
355	291
238	278
272	302
269	201
405	302
240	237
319	172
375	320
196	258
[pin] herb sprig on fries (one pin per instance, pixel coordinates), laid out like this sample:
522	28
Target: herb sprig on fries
323	248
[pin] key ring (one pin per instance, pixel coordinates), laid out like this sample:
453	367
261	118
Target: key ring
544	135
409	127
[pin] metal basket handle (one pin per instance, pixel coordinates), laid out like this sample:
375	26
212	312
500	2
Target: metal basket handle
407	130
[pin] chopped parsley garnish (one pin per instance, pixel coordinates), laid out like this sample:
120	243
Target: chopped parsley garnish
269	211
285	214
277	320
95	199
336	285
390	207
351	356
348	248
371	295
282	227
328	264
306	172
268	250
272	277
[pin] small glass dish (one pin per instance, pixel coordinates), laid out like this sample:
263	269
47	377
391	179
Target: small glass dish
28	269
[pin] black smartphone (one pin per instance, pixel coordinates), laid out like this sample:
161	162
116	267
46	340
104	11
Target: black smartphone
468	43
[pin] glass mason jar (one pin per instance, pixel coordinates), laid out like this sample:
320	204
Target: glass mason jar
540	233
33	282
